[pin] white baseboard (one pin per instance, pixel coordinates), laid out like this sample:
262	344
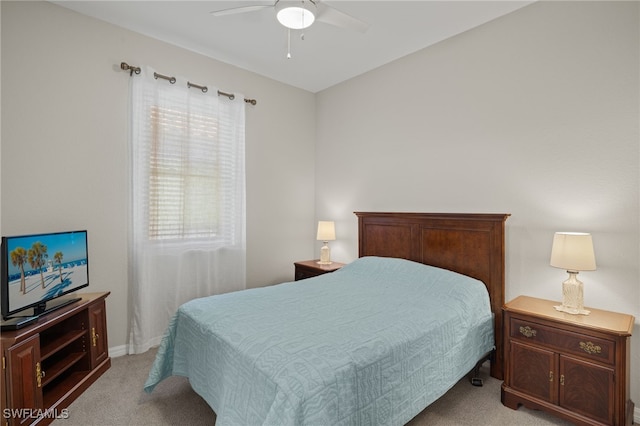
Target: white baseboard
118	351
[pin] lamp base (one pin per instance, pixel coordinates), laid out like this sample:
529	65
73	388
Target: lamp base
572	296
325	254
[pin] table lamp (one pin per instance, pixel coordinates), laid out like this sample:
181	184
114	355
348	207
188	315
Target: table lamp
573	251
326	233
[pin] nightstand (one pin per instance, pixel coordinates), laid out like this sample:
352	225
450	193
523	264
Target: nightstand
311	268
574	366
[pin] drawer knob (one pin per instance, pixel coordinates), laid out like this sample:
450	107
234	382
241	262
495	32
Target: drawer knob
590	348
528	331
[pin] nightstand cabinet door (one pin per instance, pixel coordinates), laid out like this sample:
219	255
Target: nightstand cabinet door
587	389
532	371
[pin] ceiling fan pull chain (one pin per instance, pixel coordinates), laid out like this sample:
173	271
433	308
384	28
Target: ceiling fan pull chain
288	43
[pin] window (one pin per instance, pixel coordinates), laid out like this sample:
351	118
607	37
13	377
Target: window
187	164
187	201
184	181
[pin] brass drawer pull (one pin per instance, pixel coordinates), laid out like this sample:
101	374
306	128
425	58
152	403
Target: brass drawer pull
528	331
39	374
590	348
94	336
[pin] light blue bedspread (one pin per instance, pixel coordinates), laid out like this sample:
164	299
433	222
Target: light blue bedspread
373	343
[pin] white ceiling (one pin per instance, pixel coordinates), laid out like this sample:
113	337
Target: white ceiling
328	55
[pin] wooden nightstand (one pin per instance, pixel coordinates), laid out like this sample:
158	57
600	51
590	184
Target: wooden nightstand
574	366
311	268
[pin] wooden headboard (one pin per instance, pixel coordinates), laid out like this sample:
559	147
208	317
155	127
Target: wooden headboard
472	244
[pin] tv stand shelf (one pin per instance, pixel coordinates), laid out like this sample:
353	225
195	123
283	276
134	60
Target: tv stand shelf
48	364
47	350
61	366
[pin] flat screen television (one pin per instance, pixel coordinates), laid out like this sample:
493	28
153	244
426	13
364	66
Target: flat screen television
37	270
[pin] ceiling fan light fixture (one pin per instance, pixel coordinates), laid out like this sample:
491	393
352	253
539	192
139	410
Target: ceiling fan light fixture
296	15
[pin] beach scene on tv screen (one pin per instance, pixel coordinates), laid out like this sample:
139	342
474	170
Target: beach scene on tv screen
45	266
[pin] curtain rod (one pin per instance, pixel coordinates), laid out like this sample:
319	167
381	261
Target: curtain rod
136	70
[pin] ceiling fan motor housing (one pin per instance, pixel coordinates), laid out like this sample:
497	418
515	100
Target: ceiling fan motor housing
296	15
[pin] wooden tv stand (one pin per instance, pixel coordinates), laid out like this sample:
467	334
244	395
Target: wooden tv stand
48	364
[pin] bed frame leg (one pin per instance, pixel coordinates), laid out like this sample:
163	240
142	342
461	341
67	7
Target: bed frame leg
475	380
475	374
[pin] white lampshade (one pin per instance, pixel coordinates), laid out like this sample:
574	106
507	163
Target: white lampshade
326	231
296	15
573	251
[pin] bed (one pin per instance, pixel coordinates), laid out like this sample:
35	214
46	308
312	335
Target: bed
372	343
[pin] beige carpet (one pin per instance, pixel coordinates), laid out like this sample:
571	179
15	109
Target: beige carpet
117	398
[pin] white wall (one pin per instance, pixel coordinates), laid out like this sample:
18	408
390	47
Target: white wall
535	114
64	144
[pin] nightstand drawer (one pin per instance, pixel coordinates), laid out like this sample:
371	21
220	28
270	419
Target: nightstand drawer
311	268
576	344
304	273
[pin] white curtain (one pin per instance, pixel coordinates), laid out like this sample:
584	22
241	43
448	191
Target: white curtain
187	200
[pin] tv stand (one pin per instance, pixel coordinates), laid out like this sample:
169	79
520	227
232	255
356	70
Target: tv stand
41	308
48	364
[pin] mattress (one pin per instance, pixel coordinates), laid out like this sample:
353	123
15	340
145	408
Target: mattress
373	343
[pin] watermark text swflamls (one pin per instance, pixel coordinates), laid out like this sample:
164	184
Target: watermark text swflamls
35	413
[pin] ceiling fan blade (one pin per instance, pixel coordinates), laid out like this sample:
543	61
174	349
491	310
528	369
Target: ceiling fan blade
242	9
332	16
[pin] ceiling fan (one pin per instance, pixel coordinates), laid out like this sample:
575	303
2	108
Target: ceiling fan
301	14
